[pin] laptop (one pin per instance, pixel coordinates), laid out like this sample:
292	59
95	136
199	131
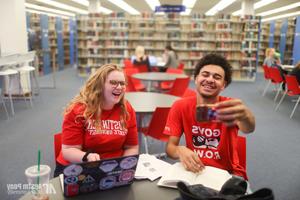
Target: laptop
99	175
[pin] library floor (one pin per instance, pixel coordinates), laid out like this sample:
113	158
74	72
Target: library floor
273	158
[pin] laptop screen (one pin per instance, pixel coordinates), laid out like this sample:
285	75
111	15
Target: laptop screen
88	177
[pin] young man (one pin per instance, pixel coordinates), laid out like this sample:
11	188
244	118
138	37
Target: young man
212	142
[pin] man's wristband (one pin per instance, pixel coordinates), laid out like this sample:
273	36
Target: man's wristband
84	158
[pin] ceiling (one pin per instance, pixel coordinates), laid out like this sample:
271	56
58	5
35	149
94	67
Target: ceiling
201	6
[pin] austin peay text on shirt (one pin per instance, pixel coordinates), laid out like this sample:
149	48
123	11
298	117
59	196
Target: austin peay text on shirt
109	127
206	142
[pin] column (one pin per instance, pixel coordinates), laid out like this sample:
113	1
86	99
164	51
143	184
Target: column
247	7
94	6
13	34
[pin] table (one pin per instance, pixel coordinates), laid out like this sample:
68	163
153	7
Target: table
139	190
146	102
287	68
157	77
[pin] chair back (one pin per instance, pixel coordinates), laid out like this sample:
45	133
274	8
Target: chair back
181	66
130	85
137	84
266	72
174	71
57	144
275	75
179	86
189	92
141	68
292	85
158	123
241	147
127	63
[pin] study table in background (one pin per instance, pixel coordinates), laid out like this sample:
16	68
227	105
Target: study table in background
158	77
139	190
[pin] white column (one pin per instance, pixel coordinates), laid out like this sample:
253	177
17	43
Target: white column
247	7
94	6
13	34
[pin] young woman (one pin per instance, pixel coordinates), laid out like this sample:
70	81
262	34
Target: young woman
98	122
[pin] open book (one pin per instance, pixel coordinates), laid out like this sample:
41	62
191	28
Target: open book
210	177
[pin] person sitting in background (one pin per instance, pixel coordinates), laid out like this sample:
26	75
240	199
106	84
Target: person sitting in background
270	60
170	57
211	142
141	58
98	122
296	72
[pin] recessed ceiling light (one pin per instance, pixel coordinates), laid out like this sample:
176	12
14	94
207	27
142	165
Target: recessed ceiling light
281	16
50	10
219	6
189	4
284	8
153	3
124	6
257	5
63	6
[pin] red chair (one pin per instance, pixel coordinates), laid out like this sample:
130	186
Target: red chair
57	144
267	77
141	68
181	66
276	79
138	85
156	126
179	86
293	89
189	92
167	85
242	151
127	63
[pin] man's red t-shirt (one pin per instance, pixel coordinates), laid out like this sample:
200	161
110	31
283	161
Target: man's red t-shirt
214	142
108	142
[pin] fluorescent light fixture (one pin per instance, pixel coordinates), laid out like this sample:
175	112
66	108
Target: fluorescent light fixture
105	10
63	6
189	4
51	10
153	3
219	6
257	5
124	6
46	13
281	16
82	2
284	8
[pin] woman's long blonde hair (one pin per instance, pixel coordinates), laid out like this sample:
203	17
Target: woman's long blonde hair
91	95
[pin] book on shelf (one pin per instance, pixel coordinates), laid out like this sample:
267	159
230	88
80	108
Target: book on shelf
210	177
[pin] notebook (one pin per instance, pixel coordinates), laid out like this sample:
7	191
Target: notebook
99	175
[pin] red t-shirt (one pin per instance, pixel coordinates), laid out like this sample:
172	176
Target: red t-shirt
108	142
214	142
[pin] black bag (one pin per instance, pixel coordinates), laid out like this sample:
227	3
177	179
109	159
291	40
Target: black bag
233	189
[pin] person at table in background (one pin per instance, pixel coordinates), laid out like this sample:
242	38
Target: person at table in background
170	57
296	72
214	142
272	58
98	122
141	58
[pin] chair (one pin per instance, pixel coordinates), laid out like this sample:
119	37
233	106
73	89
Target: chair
57	144
242	151
179	86
138	85
127	63
276	79
156	126
189	92
4	106
267	77
293	89
141	68
181	66
167	85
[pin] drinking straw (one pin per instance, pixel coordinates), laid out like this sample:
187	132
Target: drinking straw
38	164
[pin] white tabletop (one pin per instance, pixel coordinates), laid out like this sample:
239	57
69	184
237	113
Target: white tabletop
146	102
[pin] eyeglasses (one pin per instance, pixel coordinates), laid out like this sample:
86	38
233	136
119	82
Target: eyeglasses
115	83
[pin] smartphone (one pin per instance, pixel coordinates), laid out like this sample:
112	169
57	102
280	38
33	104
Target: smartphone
205	112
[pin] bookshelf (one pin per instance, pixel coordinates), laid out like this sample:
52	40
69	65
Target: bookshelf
114	37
